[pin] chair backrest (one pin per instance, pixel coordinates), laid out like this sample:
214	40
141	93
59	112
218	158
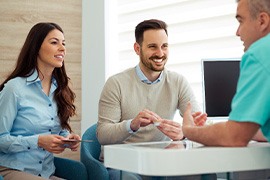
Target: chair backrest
93	147
69	169
90	152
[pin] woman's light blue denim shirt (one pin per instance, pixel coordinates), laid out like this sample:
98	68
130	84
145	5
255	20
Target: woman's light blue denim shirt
25	113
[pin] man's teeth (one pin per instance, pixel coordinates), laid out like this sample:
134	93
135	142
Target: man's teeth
158	60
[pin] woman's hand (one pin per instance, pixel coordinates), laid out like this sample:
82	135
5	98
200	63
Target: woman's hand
55	143
51	143
74	145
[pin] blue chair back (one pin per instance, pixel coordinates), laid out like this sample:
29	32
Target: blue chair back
94	147
70	169
90	152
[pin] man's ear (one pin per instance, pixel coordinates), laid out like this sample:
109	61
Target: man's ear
264	20
137	48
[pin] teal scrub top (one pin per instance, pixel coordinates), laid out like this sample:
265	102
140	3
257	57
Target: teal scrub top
251	102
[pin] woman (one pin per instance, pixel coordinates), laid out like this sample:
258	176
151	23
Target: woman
36	105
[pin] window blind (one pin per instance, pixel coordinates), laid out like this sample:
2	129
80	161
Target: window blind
197	29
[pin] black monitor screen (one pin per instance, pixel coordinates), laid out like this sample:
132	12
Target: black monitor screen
219	84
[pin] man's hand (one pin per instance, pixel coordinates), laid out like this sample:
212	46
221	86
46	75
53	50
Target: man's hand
199	118
144	118
171	129
195	119
259	137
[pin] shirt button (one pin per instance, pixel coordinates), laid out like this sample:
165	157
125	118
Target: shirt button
51	118
50	105
40	162
28	147
50	130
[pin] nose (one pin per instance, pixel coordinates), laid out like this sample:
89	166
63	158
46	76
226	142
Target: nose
237	32
159	52
62	47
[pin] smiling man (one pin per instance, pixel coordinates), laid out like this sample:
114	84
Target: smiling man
133	101
250	115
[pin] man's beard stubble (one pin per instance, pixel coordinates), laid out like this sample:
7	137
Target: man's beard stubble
149	65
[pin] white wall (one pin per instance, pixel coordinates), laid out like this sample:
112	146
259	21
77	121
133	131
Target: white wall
93	59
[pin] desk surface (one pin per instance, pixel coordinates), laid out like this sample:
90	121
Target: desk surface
172	158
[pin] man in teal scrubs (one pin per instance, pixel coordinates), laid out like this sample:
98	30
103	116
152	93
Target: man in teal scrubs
250	115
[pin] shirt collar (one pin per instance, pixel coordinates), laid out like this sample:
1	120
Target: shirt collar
33	78
144	79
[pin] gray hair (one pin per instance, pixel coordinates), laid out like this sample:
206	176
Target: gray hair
258	6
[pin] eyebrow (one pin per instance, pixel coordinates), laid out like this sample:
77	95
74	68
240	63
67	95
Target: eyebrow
54	38
151	44
155	44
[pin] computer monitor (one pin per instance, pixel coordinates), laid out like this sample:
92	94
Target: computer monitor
219	79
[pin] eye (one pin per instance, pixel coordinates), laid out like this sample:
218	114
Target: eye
64	44
165	45
239	20
54	42
152	46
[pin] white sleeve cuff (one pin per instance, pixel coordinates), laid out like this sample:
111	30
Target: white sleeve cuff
130	131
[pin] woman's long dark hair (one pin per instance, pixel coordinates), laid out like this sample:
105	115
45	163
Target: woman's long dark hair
27	63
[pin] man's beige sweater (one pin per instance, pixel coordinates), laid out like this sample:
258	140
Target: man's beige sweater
124	96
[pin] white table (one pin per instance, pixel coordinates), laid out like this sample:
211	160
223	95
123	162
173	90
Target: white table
185	158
